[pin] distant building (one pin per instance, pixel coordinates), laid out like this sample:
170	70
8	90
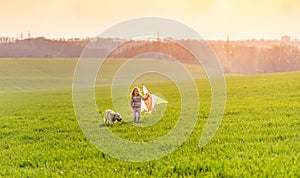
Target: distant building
285	39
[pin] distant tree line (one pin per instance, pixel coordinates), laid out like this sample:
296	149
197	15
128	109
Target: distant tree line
252	59
234	56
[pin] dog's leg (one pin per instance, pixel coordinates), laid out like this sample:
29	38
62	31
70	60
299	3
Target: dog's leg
111	122
105	120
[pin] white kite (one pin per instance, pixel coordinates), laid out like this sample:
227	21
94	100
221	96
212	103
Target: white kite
148	105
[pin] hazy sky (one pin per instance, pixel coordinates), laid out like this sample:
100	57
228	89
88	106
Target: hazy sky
213	19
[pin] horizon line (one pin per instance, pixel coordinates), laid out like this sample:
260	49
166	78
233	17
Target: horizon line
208	39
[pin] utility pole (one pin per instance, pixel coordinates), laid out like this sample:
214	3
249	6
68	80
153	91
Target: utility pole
118	47
228	53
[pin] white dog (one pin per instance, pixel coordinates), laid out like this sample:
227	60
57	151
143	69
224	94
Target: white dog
111	116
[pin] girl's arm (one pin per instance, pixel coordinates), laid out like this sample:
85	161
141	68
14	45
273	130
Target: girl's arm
147	96
131	103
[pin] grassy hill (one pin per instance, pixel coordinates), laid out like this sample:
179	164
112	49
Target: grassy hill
40	135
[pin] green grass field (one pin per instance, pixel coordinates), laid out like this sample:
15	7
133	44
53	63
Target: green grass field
40	136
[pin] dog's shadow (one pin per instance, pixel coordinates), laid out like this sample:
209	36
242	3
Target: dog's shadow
122	123
102	125
107	125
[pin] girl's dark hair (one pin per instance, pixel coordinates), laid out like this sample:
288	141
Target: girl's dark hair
132	92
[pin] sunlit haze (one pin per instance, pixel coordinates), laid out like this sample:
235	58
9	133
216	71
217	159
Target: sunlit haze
213	19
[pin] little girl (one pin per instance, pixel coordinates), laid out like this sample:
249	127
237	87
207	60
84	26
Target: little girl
136	102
